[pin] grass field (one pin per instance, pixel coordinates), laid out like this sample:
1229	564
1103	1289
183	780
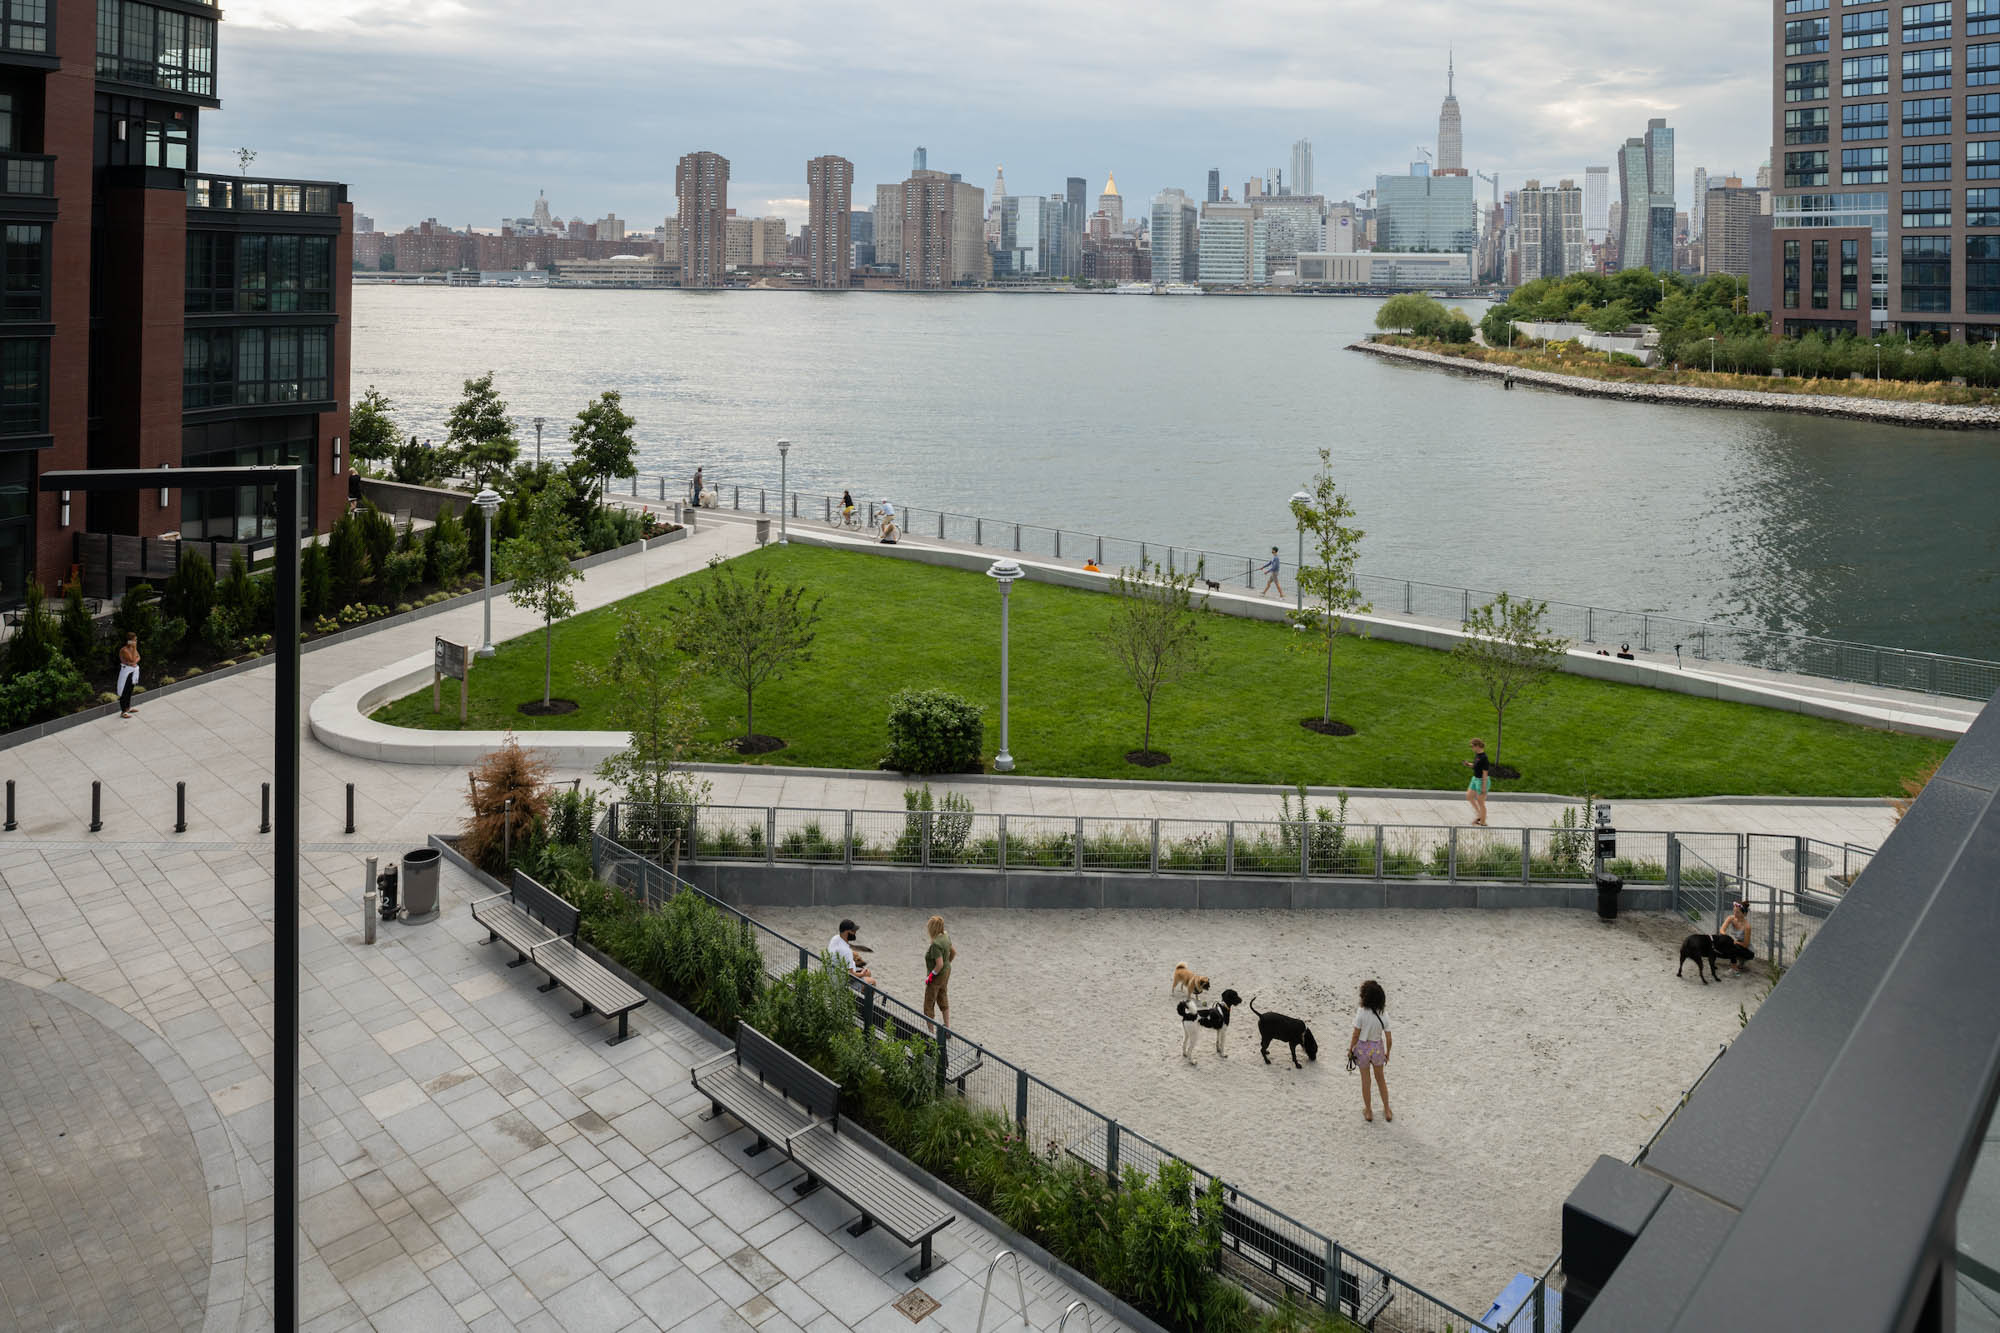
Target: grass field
889	625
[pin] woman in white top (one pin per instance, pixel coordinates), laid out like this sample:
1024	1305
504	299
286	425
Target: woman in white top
1369	1047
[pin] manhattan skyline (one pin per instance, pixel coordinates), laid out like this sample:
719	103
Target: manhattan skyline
455	110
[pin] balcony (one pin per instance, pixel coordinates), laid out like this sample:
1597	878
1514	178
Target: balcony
242	194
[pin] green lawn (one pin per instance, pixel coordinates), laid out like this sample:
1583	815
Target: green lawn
889	624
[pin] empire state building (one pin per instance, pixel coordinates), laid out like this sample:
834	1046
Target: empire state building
1451	136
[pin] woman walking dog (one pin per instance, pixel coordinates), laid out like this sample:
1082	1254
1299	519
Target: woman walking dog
1369	1048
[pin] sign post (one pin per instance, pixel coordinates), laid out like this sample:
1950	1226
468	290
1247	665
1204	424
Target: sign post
454	660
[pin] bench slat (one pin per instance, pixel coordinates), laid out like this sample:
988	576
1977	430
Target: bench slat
586	977
896	1205
758	1106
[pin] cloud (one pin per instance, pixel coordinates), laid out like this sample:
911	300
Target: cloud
463	108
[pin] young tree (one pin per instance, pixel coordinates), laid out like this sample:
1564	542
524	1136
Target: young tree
479	433
1156	636
1326	581
602	439
652	697
1614	318
371	435
1509	652
538	561
1413	311
750	633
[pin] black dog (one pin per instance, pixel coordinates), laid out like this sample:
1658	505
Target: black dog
1213	586
1293	1032
1711	947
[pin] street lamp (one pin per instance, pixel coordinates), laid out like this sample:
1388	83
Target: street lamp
538	440
1298	589
489	504
784	448
1005	572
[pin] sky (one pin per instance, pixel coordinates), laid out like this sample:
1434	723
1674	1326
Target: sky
463	109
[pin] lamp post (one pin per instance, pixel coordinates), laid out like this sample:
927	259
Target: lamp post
1298	589
489	504
538	440
784	448
1004	572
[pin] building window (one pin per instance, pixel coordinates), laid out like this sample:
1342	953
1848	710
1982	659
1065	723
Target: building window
1806	82
1927	115
1926	162
1805	37
1982	65
1803	6
222	367
1982	114
1927	71
1982	208
1864	166
1819	274
24	25
24	390
27	262
1850	274
259	274
1927	274
156	48
1806	125
1982	17
1803	170
1791	278
1982	160
1927	23
1864	76
1982	275
1927	208
1858	32
1865	120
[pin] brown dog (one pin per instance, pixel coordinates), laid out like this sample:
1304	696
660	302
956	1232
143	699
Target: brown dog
1187	982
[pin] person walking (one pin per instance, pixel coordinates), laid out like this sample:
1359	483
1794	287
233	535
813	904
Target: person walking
1369	1047
128	674
1482	780
1271	568
937	970
694	489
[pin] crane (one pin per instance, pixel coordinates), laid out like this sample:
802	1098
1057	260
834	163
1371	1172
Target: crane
1494	181
1428	158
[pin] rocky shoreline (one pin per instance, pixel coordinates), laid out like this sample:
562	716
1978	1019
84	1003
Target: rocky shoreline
1934	416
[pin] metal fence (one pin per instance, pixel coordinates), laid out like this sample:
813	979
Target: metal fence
1269	1254
1695	640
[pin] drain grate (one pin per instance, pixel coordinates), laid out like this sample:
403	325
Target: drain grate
915	1304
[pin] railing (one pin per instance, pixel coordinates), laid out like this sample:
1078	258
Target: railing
28	173
1646	632
1311	1266
241	194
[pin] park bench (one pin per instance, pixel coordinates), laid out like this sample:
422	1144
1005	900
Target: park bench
785	1101
541	929
961	1058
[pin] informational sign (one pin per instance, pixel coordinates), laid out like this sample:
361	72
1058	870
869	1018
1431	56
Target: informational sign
453	660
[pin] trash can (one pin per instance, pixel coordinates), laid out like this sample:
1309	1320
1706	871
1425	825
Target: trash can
420	882
763	532
1607	896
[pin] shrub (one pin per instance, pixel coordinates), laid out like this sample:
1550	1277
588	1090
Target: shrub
315	582
510	773
804	1011
402	569
50	690
79	631
347	556
378	538
190	590
220	630
711	961
447	549
934	731
38	638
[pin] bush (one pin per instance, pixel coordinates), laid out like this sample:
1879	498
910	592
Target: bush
403	569
315	582
220	630
934	731
38	638
447	550
79	631
510	773
54	688
190	591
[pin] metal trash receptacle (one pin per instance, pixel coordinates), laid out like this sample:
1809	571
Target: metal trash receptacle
763	532
420	882
1608	887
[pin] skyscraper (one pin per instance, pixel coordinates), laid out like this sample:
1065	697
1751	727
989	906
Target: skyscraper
1596	204
1634	191
1551	230
1697	206
1176	238
1730	215
1214	184
1660	196
1451	137
1431	214
1112	204
939	232
1077	207
1232	245
701	184
829	199
1302	167
920	160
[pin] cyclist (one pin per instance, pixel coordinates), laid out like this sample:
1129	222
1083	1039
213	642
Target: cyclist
847	519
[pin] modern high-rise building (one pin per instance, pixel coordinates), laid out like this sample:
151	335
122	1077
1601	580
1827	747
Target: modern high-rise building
1427	214
1232	241
1112	204
861	237
889	227
1451	136
1732	215
920	160
1293	225
1596	204
1697	206
1214	185
1634	190
1176	238
1076	213
701	185
941	232
829	234
1550	230
158	314
1660	218
1033	236
1302	167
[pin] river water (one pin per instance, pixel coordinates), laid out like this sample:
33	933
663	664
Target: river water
1191	420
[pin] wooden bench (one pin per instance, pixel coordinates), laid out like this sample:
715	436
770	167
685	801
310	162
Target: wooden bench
783	1100
541	928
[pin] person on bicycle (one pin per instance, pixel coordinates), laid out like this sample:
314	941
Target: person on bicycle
847	508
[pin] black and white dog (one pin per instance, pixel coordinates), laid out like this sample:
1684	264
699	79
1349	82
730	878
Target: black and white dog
1201	1012
1272	1026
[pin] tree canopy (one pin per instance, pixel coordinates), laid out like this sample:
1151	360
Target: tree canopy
479	434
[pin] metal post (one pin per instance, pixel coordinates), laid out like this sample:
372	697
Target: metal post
1003	760
1002	848
978	531
1646	633
1249	572
350	807
11	824
1378	851
1099	562
611	822
1332	1282
1589	615
180	807
1451	856
506	832
847	843
1111	1151
663	489
760	501
1673	873
264	817
370	904
96	805
1142	555
940	525
285	914
1077	852
784	489
1464	605
1305	849
736	497
1527	858
770	835
1407	592
1058	543
1021	1098
486	645
924	839
1229	848
1155	866
1017	536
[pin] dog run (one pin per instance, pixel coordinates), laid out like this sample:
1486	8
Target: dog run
1527	1042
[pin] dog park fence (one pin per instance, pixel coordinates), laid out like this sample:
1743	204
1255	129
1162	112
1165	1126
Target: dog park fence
1699	640
1272	1256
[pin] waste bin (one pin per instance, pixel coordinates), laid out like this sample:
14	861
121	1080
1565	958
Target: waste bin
420	882
763	532
1607	896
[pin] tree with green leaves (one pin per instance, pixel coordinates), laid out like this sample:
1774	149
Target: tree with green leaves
1414	312
479	434
1614	318
653	698
538	561
602	440
1155	634
371	434
748	632
1508	651
1327	583
417	464
79	630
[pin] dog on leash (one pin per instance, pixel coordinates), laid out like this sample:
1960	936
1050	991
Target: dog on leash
1710	948
1187	982
1273	1026
1199	1013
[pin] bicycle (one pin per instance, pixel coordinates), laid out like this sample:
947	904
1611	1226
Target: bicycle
847	516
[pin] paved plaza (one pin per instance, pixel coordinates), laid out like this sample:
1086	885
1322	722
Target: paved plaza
470	1157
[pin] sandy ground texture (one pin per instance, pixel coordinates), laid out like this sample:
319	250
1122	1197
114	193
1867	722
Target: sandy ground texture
1526	1043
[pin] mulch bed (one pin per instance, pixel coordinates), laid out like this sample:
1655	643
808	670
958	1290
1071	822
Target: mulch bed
1324	728
553	708
1147	758
757	744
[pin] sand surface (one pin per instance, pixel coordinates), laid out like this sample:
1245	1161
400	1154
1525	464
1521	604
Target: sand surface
1527	1043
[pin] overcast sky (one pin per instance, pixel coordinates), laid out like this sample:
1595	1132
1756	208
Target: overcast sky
463	109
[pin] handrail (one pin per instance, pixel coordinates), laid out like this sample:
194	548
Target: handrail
1071	1309
1020	1293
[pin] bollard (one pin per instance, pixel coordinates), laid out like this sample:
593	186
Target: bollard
11	825
96	805
663	490
180	807
264	820
350	807
370	901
